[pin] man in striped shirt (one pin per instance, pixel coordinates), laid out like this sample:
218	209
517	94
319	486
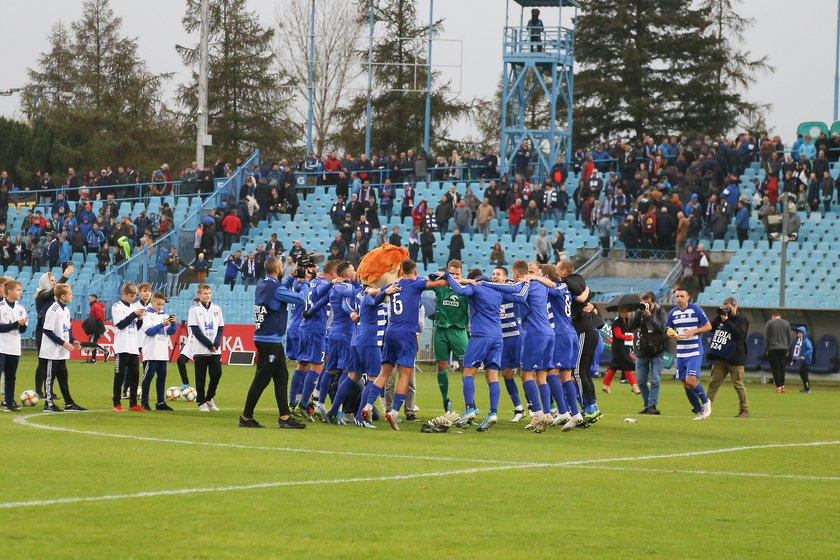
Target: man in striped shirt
685	323
511	344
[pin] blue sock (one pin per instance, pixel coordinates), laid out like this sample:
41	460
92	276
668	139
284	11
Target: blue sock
308	386
532	394
556	388
374	394
545	398
701	394
469	391
694	400
399	399
570	391
344	387
295	386
513	391
495	392
369	386
324	385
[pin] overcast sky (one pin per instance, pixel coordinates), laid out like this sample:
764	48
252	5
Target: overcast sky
799	38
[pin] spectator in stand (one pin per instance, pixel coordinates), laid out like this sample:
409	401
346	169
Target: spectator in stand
719	223
427	246
826	190
387	194
666	228
395	238
742	223
701	267
681	236
484	216
414	243
497	255
249	270
407	205
103	258
443	213
201	268
65	254
542	246
515	215
456	243
353	256
463	217
532	220
338	246
94	327
604	234
559	246
231	226
297	250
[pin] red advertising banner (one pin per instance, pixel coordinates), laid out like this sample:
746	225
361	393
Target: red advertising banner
237	338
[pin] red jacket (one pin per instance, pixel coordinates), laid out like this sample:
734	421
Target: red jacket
97	309
515	214
332	165
419	213
231	224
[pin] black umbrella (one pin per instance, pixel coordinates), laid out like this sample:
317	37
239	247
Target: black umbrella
631	300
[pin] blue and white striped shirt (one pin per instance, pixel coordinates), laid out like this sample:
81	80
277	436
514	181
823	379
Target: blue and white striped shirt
692	317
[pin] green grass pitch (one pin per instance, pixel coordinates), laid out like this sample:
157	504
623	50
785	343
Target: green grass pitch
665	487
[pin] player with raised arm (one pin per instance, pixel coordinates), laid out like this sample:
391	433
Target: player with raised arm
56	345
450	336
313	333
587	322
400	343
484	346
370	314
511	343
127	316
206	323
158	327
537	341
685	323
270	315
339	355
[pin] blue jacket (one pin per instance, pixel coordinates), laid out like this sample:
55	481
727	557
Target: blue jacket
232	267
65	252
742	218
803	350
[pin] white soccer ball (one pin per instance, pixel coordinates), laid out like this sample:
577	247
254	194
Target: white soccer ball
189	394
173	393
29	398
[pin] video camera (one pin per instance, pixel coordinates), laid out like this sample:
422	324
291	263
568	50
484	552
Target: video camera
304	263
725	310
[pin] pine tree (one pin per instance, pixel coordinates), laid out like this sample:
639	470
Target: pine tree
654	67
398	102
115	112
248	88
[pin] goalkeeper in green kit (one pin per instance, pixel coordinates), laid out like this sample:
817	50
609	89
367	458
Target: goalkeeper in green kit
451	320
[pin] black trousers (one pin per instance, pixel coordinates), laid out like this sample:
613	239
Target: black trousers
207	364
182	369
778	361
126	367
56	370
9	365
804	373
271	366
587	341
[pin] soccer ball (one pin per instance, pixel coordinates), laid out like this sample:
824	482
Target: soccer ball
189	394
29	398
173	393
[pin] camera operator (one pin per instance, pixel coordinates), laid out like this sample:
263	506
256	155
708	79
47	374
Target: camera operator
648	324
728	349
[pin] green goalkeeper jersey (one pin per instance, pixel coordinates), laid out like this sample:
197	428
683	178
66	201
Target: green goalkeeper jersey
451	309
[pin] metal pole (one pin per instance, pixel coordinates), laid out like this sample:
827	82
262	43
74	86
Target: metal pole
201	128
370	80
311	78
783	258
837	64
426	124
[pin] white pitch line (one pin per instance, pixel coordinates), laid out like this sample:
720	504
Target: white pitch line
579	463
24	420
718	473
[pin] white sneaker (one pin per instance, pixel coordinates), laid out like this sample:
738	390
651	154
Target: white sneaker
535	421
393	418
561	418
205	407
517	415
699	416
707	408
572	423
212	406
545	421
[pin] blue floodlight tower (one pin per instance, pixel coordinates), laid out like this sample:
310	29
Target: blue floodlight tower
537	59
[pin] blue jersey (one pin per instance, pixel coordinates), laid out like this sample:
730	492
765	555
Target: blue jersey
692	318
303	289
270	314
560	309
534	299
484	308
372	319
316	305
341	302
404	307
